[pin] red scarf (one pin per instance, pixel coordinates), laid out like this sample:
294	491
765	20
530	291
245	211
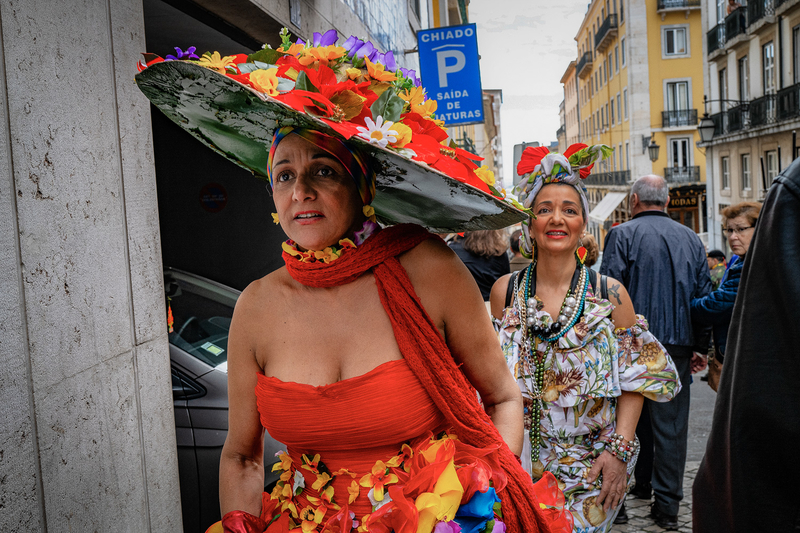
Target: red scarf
427	355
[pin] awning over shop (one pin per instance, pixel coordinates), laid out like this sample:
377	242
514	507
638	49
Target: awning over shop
606	206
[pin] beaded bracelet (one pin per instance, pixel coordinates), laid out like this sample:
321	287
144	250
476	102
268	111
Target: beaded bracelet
622	449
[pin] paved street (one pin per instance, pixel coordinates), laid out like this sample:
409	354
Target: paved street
699	426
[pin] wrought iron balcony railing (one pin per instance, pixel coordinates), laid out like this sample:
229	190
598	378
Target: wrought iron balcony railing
680	117
736	23
682	174
584	65
738	118
677	4
757	9
763	110
789	102
716	38
619	177
607	30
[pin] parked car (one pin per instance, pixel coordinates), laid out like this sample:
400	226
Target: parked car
198	349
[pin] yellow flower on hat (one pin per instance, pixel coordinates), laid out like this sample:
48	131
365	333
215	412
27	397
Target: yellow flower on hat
403	135
414	96
376	71
294	49
216	62
323	54
266	81
485	174
426	108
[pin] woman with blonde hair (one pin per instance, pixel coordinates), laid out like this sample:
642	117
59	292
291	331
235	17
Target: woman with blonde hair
484	254
716	308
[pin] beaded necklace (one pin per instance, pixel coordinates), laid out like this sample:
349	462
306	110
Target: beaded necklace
533	360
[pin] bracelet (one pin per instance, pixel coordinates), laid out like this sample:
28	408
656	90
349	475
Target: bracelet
622	449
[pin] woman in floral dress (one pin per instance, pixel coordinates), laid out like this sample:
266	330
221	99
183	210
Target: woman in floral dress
582	358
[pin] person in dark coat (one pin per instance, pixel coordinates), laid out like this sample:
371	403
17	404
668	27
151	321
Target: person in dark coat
484	254
662	264
716	308
744	482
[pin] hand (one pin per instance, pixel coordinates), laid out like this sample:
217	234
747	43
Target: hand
615	480
699	362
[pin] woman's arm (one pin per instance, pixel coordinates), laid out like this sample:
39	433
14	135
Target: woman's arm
452	299
241	466
623	314
497	299
629	408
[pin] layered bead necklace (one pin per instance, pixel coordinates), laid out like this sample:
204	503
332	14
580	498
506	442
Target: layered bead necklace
534	361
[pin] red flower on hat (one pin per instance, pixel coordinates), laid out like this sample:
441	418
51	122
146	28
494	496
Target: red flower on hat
531	156
575	148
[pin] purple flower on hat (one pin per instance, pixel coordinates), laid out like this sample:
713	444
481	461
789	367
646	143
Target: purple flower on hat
410	74
328	38
388	61
188	54
352	43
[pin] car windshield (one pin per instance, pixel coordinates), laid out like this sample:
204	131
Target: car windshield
201	312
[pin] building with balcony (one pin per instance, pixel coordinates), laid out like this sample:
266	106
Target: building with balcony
752	82
638	79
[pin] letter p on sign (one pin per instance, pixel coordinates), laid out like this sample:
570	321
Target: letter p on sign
444	69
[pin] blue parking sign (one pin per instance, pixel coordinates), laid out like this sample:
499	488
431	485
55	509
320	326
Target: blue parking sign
448	60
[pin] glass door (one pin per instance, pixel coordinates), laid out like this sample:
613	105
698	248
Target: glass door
680	159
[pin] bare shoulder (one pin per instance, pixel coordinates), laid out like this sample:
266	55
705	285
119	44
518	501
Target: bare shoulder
617	293
430	252
258	299
498	295
623	314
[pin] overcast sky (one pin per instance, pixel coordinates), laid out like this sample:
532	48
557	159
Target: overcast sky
525	47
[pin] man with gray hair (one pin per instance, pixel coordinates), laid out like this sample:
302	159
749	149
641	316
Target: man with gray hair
662	264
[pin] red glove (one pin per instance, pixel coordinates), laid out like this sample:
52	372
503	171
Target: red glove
242	522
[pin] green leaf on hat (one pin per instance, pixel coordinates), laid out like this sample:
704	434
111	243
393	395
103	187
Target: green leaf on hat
388	105
304	84
267	55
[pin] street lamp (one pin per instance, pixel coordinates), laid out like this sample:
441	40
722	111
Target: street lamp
706	128
652	150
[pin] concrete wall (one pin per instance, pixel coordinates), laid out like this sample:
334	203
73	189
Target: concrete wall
87	439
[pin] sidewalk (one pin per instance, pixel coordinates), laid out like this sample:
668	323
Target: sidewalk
700	414
639	510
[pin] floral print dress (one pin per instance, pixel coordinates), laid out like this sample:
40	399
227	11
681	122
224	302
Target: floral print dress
586	370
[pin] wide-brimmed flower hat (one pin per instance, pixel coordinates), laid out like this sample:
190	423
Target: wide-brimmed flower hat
234	105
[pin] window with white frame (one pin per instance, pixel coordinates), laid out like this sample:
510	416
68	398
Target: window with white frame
627	155
622	50
768	62
772	165
619	107
613	122
721	8
745	168
605	121
625	103
744	79
616	59
723	83
725	173
796	54
674	41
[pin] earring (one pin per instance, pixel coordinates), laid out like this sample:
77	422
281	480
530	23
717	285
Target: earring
581	252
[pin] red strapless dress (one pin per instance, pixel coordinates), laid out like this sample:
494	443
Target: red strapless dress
351	424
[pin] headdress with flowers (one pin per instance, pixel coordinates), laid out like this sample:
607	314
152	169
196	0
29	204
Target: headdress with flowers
539	167
235	103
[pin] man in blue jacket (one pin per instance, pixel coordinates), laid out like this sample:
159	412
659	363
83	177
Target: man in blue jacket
662	264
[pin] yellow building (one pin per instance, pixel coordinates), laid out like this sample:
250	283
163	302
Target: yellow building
639	82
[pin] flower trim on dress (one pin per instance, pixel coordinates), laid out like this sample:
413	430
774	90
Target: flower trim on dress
421	484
